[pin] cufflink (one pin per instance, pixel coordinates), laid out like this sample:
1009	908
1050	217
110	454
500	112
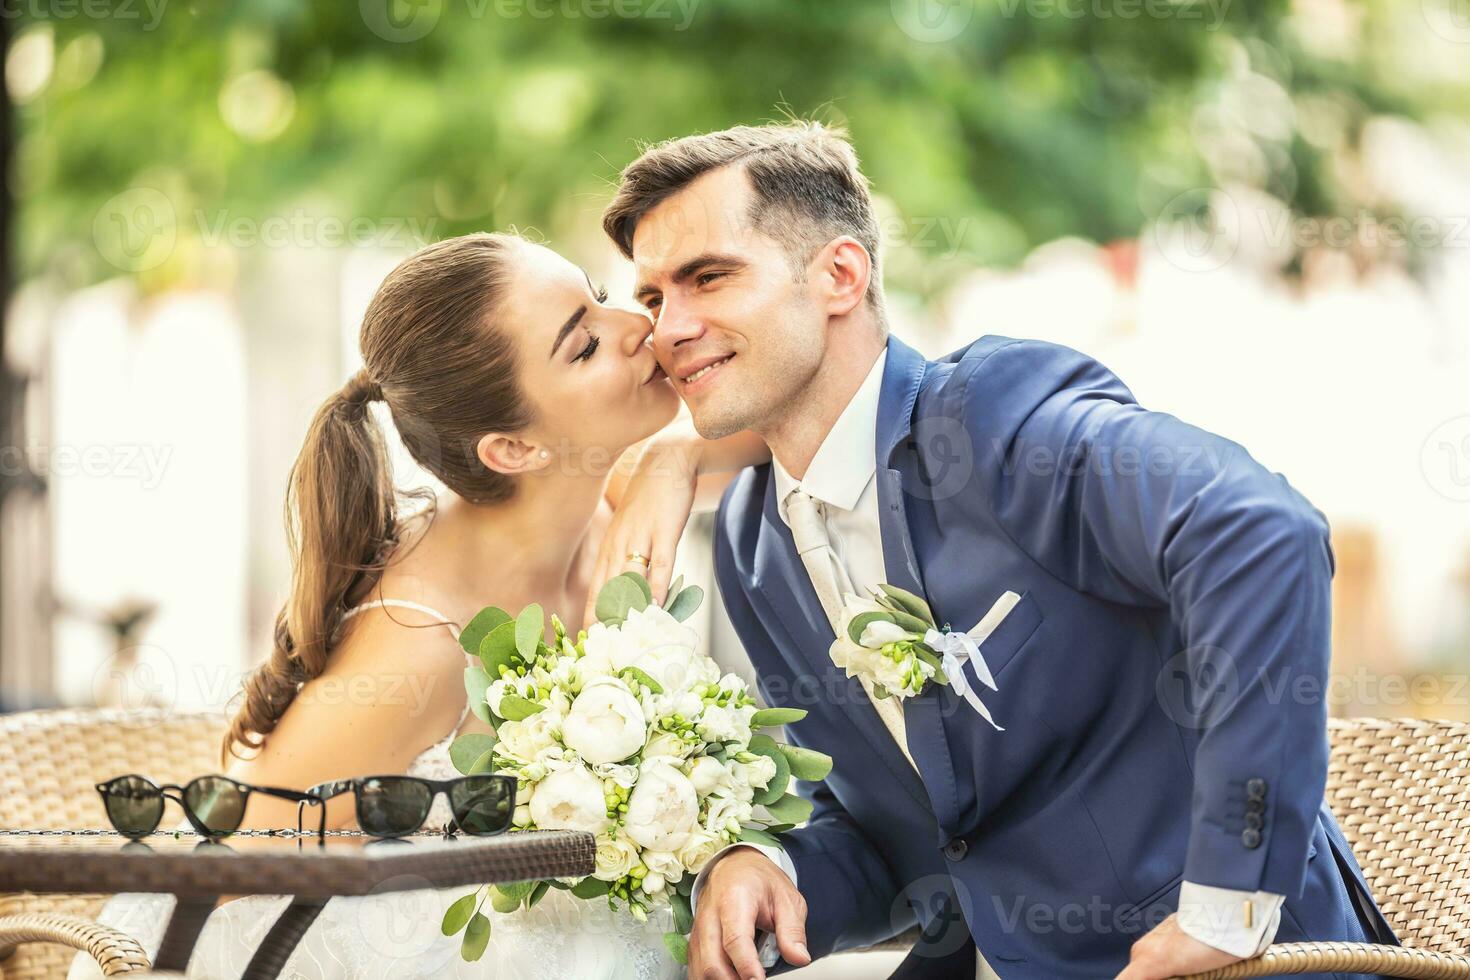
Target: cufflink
1249	912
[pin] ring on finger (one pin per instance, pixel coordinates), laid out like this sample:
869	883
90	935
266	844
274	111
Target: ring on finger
638	557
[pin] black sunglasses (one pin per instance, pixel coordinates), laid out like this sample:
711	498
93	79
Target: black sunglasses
394	806
214	805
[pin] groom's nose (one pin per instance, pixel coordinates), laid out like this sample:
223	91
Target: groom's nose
676	324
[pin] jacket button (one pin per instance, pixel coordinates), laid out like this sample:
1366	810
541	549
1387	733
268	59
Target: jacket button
1254	805
1253	821
1256	788
956	849
1250	837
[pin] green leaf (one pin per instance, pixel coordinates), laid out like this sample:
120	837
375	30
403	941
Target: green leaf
861	620
779	828
642	678
513	707
879	691
478	628
620	595
508	897
807	764
498	649
673	592
457	916
464	750
790	809
754	835
911	623
771	717
683	914
476	683
766	746
685	885
687	603
590	887
483	763
530	627
639	580
678	947
912	604
476	938
928	656
538	893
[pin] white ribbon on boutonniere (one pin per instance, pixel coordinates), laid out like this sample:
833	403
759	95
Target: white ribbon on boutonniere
892	641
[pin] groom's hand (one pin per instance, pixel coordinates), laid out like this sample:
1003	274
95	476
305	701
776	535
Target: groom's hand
1168	951
745	891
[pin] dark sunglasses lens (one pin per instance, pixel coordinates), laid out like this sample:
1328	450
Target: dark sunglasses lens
392	806
216	803
134	805
482	804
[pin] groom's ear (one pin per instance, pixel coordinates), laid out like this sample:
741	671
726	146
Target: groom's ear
509	455
844	269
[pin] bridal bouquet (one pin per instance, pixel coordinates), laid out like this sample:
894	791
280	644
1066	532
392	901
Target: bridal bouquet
628	733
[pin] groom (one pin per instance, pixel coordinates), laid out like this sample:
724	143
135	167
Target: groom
1142	806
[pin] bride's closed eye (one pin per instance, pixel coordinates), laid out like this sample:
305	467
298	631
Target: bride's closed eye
589	350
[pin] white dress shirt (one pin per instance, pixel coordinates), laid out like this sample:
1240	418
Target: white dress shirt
841	478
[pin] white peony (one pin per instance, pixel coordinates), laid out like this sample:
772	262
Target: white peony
662	808
571	799
605	723
709	774
663	744
757	773
698	849
719	724
615	858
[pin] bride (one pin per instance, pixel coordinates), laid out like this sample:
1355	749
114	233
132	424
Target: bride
512	381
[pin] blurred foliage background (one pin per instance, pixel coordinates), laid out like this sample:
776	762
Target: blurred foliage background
1020	121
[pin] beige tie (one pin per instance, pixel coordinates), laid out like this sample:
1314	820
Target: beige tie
830	579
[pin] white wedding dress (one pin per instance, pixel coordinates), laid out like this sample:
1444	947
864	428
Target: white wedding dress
397	934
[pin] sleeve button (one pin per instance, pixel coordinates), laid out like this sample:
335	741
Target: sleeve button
956	849
1256	788
1250	837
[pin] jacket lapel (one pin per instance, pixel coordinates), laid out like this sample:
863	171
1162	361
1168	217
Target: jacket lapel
783	581
923	715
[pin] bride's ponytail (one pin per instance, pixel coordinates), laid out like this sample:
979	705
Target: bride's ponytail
339	518
447	372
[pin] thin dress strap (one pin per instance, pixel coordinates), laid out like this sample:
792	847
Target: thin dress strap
418	607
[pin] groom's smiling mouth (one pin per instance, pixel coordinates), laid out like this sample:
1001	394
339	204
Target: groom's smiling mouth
701	369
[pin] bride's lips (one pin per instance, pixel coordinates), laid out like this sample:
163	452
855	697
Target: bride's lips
657	374
698	374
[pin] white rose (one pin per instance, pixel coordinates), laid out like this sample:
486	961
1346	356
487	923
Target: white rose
708	774
663	744
653	884
698	849
757	773
615	858
571	799
662	807
529	739
664	863
723	809
605	723
522	816
719	724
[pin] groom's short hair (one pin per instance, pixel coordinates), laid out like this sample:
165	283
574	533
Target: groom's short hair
808	188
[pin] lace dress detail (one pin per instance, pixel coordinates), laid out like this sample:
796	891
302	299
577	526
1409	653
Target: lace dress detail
397	933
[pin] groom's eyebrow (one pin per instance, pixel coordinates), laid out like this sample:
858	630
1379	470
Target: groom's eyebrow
691	269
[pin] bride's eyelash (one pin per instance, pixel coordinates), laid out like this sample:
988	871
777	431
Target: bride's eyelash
587	351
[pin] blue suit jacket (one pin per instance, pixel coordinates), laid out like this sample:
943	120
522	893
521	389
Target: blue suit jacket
1173	591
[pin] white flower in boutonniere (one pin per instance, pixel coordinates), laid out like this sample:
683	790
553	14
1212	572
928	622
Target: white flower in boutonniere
893	642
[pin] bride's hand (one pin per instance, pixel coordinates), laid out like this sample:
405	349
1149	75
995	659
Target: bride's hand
650	513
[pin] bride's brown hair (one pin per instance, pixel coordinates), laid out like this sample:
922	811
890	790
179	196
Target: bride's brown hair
432	352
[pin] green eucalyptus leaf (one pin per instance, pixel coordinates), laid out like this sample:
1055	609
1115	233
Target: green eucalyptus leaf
464	750
928	656
771	717
683	914
754	835
538	893
478	628
639	580
912	604
860	622
513	707
686	603
673	592
457	916
617	598
678	947
807	764
590	887
530	627
790	809
476	683
498	649
779	828
911	623
484	762
643	678
476	938
767	746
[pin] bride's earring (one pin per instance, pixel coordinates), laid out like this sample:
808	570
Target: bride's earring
545	454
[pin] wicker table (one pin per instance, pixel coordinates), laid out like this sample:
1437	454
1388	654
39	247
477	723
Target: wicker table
199	872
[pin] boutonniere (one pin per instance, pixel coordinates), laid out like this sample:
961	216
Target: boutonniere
893	641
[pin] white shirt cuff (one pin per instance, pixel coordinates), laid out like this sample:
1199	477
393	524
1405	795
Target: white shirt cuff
765	942
1217	917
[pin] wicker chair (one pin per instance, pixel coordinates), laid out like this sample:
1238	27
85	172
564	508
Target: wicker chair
50	762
